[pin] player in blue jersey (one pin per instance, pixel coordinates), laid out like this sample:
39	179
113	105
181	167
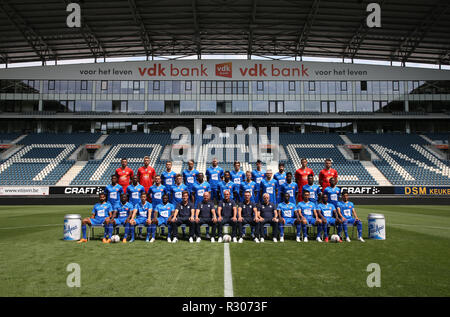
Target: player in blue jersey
237	177
101	215
258	175
200	188
328	214
269	186
308	215
288	216
214	175
142	215
280	177
190	176
248	185
122	214
134	192
333	192
113	191
157	191
347	213
164	212
289	187
228	185
168	176
314	190
176	190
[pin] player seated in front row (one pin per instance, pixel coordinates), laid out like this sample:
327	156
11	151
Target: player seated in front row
205	214
164	212
101	215
287	216
142	217
308	215
328	214
227	214
268	215
347	214
123	211
184	215
248	214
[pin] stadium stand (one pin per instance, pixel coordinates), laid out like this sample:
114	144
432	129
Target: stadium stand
404	160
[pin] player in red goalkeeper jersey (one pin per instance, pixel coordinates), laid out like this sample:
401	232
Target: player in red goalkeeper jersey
326	174
301	177
124	174
146	174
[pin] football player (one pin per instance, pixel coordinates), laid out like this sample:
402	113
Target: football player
101	215
347	213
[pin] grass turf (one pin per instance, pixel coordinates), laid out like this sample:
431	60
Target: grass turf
414	260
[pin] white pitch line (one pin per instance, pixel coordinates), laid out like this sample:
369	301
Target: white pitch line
10	228
428	227
227	277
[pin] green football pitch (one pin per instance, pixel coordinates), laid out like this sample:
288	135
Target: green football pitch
414	260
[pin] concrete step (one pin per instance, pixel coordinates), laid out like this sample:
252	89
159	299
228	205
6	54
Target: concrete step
71	173
345	139
376	174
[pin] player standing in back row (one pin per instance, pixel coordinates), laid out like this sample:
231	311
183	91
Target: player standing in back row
146	174
124	174
301	177
326	174
214	176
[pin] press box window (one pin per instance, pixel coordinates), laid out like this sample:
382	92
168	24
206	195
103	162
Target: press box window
292	86
364	85
136	85
51	85
312	86
104	85
343	86
395	86
156	85
188	85
84	85
259	86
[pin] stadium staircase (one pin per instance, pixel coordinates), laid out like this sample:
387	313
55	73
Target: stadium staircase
71	173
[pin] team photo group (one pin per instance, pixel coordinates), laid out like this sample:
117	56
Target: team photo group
258	199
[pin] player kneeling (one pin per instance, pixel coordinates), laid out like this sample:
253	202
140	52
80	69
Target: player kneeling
288	216
122	214
328	214
308	213
101	215
347	213
164	212
142	217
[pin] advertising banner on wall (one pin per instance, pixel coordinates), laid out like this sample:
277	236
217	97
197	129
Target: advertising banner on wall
223	70
24	191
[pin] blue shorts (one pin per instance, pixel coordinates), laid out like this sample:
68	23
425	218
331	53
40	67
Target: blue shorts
351	221
162	221
120	221
331	221
140	221
97	221
289	221
214	193
311	220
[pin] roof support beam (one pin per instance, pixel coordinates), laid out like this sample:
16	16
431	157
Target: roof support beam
94	44
416	36
250	29
302	39
34	40
196	29
145	37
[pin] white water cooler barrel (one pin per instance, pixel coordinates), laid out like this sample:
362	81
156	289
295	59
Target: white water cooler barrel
377	226
72	227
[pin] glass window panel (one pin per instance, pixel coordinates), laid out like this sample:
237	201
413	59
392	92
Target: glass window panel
260	105
156	105
239	105
292	105
312	105
188	105
207	105
103	106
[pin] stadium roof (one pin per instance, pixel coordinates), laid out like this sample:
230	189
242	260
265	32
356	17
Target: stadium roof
412	31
